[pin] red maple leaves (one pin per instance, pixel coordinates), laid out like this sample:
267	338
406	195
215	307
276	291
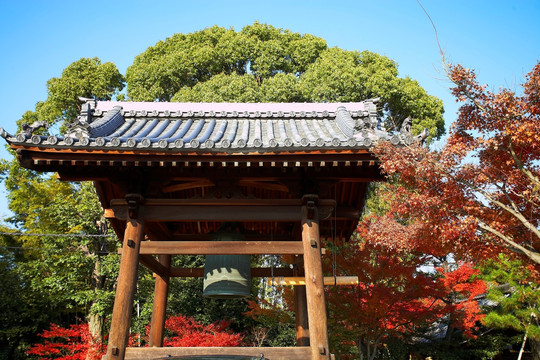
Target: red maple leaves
76	343
73	343
395	298
190	333
480	194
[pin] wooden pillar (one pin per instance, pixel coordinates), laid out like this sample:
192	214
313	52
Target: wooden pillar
302	326
316	304
125	290
159	312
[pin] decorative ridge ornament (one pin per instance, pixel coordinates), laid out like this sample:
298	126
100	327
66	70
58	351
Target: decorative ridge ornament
28	129
80	128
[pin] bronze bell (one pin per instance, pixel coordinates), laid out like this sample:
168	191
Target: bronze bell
227	276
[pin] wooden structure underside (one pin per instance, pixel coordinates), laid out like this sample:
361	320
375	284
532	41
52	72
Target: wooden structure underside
205	184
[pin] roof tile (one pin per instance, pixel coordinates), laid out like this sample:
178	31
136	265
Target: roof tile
220	127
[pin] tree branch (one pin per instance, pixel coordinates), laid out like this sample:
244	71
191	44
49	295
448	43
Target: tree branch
521	167
508	209
533	255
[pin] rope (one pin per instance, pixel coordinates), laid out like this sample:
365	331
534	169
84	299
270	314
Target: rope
56	235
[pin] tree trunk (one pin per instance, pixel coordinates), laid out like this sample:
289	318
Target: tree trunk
96	321
95	327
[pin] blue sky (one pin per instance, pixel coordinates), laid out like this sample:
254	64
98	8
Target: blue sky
500	39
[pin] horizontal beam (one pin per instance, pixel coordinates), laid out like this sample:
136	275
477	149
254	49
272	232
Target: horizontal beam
255	272
218	210
274	353
220	248
248	237
301	280
100	157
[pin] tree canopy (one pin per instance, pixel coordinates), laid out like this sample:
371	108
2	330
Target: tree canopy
480	194
262	63
87	78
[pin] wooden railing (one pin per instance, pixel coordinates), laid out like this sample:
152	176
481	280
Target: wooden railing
271	353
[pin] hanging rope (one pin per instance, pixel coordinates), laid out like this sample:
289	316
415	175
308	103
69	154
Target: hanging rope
56	235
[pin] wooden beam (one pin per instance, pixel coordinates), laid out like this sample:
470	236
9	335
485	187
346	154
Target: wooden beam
248	237
301	280
265	185
301	316
274	353
152	264
214	209
143	157
221	247
187	185
255	272
224	202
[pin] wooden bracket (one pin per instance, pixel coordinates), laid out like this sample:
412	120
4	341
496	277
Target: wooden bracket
133	202
310	201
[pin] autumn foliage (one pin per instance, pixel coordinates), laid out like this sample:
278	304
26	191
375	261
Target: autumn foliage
186	332
73	343
460	290
76	343
394	299
480	194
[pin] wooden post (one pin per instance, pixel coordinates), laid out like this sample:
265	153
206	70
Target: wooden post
300	306
161	292
316	304
302	326
125	290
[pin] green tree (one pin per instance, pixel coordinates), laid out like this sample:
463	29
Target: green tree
41	204
23	310
85	77
264	63
73	273
514	297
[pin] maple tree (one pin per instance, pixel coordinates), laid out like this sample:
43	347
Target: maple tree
72	343
186	331
480	194
77	343
393	299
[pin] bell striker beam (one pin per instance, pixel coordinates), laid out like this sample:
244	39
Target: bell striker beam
316	304
126	284
161	291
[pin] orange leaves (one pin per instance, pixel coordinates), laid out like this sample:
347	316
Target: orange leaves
487	173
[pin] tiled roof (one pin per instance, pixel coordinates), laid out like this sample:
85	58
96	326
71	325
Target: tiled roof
218	127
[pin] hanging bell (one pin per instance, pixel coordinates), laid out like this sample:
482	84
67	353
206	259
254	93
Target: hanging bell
227	276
